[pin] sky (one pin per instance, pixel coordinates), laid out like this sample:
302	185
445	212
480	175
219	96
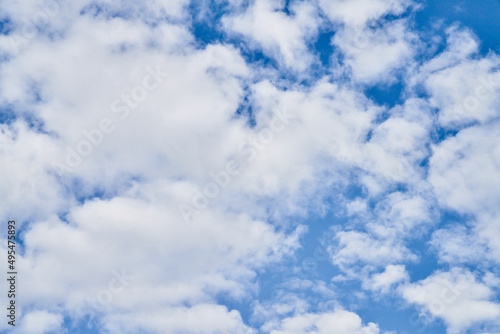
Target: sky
251	166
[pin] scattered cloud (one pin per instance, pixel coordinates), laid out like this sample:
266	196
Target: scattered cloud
193	168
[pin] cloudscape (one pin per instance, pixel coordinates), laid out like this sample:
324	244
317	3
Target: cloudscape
250	166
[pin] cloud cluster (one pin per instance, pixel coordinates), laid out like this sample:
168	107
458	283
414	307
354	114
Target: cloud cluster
455	296
118	120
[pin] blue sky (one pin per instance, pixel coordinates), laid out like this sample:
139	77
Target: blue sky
247	167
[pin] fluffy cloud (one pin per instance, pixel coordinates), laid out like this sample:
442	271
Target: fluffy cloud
458	245
454	167
457	297
464	174
353	247
136	120
374	55
40	322
465	88
206	318
24	156
281	36
391	275
213	254
359	12
335	322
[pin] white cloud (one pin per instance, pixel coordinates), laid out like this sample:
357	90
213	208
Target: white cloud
464	173
334	322
462	86
375	54
281	36
458	245
24	157
270	312
352	247
117	212
201	318
218	255
383	281
40	322
463	169
359	12
457	297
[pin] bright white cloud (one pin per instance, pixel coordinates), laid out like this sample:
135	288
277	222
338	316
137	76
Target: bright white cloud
40	322
457	297
464	172
206	318
178	113
215	253
281	36
383	281
458	245
464	88
359	12
24	157
352	247
334	322
373	55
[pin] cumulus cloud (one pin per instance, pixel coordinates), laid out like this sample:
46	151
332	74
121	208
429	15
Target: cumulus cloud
336	322
25	154
204	257
464	88
359	12
39	322
154	167
206	318
457	297
374	55
457	244
464	174
281	36
383	281
352	249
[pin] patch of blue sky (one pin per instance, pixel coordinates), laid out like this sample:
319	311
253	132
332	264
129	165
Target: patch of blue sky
5	26
106	11
427	261
388	95
431	21
481	16
36	124
80	326
82	193
132	12
246	111
7	115
76	187
389	311
21	228
205	21
206	27
92	9
440	134
323	47
310	262
401	319
243	306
